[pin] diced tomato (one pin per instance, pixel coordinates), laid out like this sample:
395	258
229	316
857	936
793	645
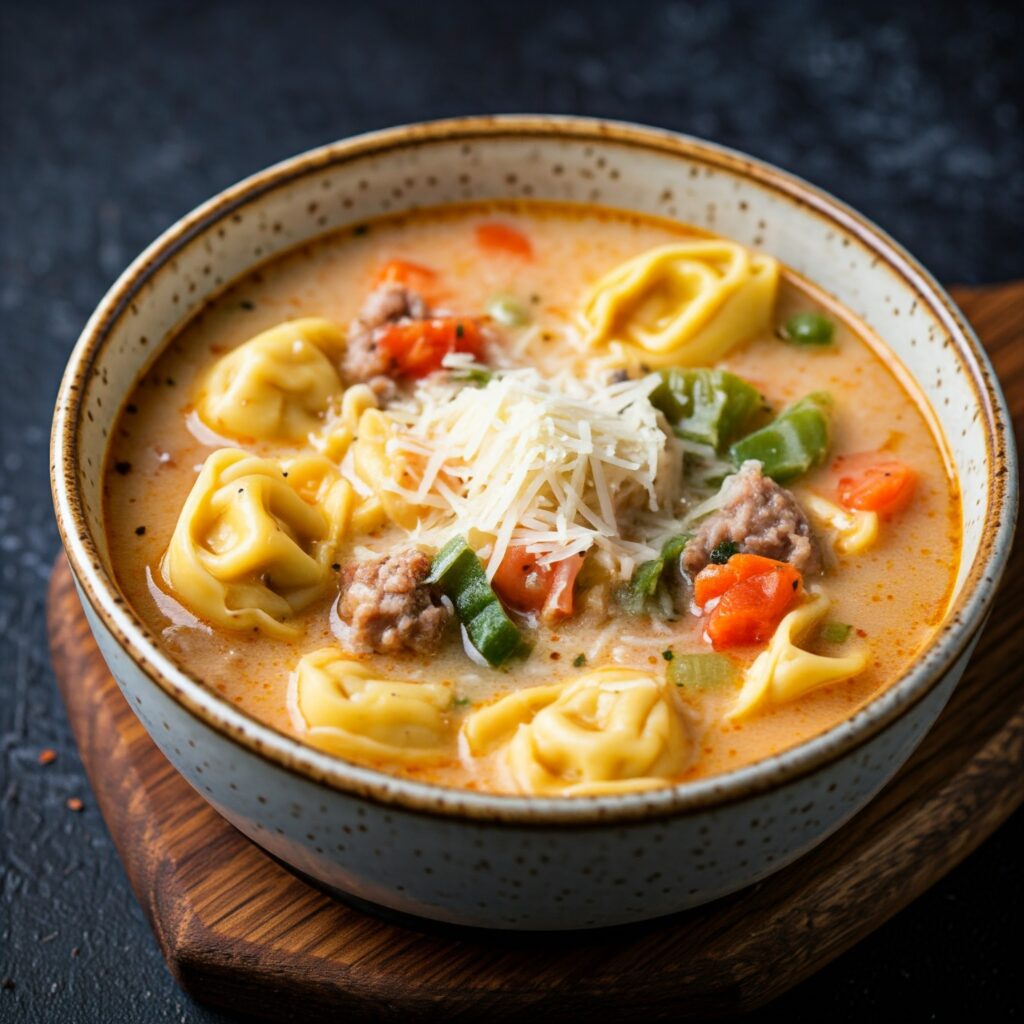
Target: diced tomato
495	237
520	582
417	347
414	275
875	483
527	586
714	580
750	611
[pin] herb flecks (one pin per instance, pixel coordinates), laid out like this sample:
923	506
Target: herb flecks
721	553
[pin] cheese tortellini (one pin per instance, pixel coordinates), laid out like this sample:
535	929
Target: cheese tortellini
256	538
378	468
784	671
276	386
609	731
850	530
343	707
340	432
683	304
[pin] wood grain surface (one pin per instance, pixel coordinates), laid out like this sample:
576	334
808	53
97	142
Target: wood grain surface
241	932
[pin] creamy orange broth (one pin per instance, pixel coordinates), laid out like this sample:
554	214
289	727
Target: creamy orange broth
894	595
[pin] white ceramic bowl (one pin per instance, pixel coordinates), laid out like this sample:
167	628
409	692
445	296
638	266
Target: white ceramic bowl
501	861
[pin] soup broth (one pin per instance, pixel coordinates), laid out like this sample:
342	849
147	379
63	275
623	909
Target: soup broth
515	276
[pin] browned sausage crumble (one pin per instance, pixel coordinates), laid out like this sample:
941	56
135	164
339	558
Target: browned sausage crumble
760	518
364	360
386	606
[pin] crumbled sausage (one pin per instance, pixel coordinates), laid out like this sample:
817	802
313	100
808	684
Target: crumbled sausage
761	518
386	606
391	302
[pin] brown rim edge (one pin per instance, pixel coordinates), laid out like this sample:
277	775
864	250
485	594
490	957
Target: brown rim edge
964	618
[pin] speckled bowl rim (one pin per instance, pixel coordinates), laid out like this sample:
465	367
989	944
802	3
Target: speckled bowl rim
965	619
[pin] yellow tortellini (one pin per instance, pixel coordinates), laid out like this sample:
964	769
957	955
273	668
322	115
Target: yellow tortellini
337	436
256	538
341	706
611	730
683	304
275	387
376	467
784	671
851	531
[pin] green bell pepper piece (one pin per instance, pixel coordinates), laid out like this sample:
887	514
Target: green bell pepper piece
793	443
646	581
458	572
813	330
707	406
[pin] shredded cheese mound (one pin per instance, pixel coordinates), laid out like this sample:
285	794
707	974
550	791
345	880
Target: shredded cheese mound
559	464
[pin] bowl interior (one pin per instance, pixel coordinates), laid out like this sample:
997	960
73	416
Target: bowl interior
402	169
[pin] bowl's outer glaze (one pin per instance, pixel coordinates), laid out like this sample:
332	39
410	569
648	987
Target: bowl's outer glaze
502	861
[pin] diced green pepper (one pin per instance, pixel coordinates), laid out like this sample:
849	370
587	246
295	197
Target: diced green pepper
809	329
494	634
508	311
450	561
701	671
673	547
458	572
710	407
646	582
647	576
790	445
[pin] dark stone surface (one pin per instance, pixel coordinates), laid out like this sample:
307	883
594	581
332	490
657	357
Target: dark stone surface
118	119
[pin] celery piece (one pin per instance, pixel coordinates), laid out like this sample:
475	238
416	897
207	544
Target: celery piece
701	671
836	632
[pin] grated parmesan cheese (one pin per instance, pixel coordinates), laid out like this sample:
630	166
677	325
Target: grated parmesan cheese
559	464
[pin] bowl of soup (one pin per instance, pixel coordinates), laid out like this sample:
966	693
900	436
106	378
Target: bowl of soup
532	522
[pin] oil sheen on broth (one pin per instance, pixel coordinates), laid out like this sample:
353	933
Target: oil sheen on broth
621	701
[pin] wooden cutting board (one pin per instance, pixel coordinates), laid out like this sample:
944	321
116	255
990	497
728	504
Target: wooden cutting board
241	932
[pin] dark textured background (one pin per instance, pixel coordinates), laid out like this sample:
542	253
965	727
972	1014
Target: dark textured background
118	119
